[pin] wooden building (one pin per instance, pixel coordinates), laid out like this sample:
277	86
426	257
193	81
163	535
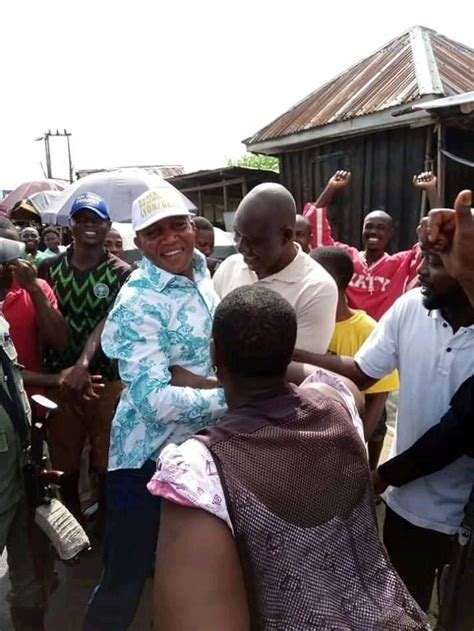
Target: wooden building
378	120
219	191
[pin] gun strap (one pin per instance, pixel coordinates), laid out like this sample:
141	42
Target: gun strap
12	403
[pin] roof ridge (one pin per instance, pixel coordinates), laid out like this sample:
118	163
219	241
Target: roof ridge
425	63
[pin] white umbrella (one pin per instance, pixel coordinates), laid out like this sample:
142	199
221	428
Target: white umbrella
119	189
42	200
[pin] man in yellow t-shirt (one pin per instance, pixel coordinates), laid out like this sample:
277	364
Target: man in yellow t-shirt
351	330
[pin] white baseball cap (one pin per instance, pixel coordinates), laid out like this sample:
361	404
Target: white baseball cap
157	204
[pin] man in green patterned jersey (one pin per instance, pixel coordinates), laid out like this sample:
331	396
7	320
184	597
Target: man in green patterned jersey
86	280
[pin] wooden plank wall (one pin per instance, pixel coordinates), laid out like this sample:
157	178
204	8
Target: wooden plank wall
382	166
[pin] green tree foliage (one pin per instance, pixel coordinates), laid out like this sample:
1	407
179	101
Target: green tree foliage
256	161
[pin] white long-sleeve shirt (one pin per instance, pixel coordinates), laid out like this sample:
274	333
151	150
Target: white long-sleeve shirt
160	320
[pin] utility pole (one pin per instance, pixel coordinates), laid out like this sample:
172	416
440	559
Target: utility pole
47	148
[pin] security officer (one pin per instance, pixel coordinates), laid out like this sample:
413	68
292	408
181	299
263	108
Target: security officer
27	571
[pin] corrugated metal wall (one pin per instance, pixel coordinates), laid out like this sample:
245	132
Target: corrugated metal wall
382	166
459	142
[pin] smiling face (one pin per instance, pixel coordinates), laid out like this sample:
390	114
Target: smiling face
262	243
88	229
30	238
377	231
169	244
114	243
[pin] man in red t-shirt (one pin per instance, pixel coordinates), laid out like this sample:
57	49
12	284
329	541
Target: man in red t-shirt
30	308
379	278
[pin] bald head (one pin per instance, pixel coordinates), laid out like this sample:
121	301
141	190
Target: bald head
379	215
270	202
264	226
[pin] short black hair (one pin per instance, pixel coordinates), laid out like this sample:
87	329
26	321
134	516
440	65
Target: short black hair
50	229
337	262
254	330
202	223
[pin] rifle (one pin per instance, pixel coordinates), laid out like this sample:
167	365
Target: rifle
51	516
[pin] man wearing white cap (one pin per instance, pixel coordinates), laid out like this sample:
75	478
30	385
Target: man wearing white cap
162	318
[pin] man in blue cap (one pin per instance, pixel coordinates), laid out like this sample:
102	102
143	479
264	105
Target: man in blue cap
86	280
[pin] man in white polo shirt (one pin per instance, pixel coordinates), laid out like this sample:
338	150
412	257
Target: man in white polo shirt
264	228
428	335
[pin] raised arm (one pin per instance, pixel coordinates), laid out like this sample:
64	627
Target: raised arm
52	326
338	182
428	183
321	233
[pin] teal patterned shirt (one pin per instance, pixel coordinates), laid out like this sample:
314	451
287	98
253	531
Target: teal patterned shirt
160	320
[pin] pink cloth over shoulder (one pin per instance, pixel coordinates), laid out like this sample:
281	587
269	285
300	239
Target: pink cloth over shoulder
330	379
187	475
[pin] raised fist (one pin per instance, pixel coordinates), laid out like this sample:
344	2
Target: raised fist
425	181
340	180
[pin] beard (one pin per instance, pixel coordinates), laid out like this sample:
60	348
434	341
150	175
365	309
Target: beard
432	301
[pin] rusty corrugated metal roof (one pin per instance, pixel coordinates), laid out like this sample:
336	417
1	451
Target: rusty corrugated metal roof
455	65
163	170
417	63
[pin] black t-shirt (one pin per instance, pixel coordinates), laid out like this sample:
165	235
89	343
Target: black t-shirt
442	444
84	298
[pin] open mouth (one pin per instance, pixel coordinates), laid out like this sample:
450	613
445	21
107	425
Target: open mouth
90	233
373	240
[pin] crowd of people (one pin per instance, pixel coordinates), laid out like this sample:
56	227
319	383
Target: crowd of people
233	412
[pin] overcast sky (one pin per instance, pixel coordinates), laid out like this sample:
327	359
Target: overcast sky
155	82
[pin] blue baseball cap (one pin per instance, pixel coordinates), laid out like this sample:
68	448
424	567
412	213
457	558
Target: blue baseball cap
90	201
